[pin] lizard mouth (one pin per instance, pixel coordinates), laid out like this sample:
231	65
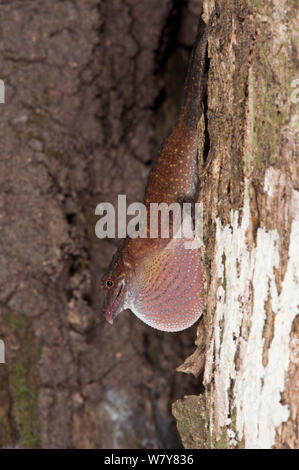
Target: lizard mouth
112	310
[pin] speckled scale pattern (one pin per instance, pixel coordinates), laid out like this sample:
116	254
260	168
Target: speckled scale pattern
168	291
174	175
161	280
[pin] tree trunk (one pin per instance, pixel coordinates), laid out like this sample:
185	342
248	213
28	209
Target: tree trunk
250	195
84	83
91	88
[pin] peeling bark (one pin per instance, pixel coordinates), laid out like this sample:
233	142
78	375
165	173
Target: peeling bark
250	195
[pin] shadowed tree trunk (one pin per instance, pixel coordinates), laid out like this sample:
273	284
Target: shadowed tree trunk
90	89
250	194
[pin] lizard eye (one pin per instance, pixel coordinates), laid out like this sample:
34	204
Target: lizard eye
109	283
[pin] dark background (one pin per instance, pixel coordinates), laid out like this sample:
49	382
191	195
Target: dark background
92	87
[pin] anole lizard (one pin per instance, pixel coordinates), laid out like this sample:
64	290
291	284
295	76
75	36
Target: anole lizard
157	278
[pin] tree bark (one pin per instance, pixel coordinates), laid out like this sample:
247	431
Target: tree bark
250	195
91	88
84	81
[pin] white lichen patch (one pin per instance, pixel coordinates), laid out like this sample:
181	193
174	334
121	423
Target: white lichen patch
247	284
118	414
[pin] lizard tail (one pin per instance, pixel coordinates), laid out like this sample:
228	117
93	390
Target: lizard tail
195	86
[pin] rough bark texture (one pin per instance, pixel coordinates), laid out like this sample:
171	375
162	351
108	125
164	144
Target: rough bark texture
91	88
250	193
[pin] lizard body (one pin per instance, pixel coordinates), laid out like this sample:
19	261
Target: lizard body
158	278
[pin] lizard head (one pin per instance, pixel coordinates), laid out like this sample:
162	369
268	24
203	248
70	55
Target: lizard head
163	288
115	283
